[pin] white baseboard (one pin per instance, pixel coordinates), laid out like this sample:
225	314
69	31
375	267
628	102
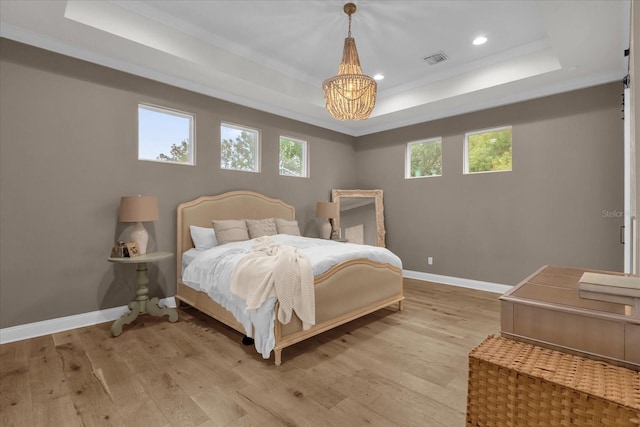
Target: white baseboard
457	281
37	329
46	327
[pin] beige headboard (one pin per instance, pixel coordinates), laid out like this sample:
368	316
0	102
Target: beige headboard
232	205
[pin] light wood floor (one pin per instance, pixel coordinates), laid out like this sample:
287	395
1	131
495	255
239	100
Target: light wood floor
390	368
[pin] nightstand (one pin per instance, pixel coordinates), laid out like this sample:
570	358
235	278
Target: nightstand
142	304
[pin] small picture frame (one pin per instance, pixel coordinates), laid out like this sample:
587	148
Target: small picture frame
132	249
119	249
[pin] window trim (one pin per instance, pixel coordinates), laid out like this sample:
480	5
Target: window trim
179	113
258	160
465	170
305	156
407	157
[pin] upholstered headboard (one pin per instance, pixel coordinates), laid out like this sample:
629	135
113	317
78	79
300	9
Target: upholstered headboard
232	205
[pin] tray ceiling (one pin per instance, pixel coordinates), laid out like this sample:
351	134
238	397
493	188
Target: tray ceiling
274	55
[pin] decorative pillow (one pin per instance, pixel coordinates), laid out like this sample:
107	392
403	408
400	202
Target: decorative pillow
231	230
261	227
203	238
285	226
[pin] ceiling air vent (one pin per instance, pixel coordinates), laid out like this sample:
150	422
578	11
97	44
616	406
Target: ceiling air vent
435	58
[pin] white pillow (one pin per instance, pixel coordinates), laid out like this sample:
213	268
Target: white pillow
203	237
287	227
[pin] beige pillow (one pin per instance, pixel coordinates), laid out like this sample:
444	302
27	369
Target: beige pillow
287	227
231	230
261	227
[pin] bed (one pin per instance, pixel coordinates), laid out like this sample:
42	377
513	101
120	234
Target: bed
346	291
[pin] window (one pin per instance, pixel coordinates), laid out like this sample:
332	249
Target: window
293	157
165	135
424	158
488	150
239	148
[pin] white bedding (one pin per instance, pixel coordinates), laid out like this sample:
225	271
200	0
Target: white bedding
187	258
210	271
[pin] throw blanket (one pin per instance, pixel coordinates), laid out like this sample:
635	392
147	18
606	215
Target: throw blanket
272	269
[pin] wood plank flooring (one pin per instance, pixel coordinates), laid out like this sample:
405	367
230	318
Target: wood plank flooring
389	368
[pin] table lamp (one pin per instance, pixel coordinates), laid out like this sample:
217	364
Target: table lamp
326	210
139	209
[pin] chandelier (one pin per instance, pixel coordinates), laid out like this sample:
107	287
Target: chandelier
350	95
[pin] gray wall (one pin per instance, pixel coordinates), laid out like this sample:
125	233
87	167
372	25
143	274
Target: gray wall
68	151
500	227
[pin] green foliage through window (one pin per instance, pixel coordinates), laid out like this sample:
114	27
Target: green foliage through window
293	157
177	153
424	158
239	148
488	151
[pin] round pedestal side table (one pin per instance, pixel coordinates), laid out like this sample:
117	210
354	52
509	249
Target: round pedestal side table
142	304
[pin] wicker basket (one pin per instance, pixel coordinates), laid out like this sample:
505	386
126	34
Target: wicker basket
517	384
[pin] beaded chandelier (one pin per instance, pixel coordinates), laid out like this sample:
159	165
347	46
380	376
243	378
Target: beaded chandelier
350	95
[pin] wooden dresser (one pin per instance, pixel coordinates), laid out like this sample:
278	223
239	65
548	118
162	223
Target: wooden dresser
545	309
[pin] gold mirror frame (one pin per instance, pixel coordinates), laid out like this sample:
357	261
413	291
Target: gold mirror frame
336	195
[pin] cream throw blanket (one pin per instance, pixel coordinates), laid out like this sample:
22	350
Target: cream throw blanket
272	269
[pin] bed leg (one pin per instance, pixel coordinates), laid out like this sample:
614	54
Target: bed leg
278	356
181	304
400	305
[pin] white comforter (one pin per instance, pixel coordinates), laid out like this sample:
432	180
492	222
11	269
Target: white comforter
211	271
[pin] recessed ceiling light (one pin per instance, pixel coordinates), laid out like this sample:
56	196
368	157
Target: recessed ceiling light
378	77
479	40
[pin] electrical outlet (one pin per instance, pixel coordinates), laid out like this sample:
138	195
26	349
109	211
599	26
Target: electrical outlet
430	260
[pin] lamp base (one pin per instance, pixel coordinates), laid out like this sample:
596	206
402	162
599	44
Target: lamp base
140	236
325	229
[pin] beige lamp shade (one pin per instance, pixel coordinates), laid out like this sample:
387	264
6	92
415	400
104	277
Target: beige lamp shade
327	210
138	209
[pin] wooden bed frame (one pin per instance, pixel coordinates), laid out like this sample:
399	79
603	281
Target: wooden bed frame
346	292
